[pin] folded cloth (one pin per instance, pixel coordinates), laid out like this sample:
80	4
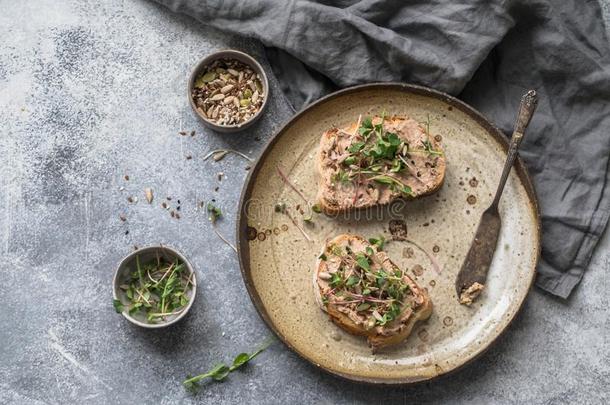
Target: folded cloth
488	52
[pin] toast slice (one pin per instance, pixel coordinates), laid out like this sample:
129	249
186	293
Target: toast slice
377	160
366	294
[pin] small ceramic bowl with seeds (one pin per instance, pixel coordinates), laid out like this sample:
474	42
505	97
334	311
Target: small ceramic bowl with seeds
228	90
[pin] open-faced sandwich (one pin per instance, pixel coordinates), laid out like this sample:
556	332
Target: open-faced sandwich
366	294
377	160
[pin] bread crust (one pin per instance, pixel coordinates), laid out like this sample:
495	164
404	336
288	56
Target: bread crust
375	340
323	200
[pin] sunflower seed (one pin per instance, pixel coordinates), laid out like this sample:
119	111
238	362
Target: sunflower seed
149	195
227	88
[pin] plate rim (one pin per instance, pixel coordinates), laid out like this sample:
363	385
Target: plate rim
243	250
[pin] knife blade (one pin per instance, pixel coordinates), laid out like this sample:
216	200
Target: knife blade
472	276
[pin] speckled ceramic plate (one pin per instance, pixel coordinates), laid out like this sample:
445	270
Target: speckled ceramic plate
277	260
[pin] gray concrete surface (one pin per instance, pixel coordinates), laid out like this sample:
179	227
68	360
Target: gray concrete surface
91	91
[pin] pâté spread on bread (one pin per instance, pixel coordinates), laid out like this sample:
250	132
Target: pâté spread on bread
376	161
366	294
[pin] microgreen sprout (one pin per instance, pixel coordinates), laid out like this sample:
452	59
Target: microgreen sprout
156	289
214	212
365	284
220	371
380	156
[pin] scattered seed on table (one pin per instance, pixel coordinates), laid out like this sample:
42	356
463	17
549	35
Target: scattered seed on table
149	194
192	133
182	133
188	157
126	177
172	213
122	217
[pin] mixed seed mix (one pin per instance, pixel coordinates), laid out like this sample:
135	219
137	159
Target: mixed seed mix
228	92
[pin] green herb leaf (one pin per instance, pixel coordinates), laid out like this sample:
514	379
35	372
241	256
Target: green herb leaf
350	160
367	122
220	371
378	242
214	212
240	360
355	147
341	176
404	189
393	139
118	306
352	280
363	261
308	217
380	278
322	257
336	250
397	166
363	307
336	279
316	208
384	179
135	308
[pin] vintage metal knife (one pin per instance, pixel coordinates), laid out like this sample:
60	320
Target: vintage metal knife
473	274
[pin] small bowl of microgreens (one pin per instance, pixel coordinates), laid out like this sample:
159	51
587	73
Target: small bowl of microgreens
228	90
154	287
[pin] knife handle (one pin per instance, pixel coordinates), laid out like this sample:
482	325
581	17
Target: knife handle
528	105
